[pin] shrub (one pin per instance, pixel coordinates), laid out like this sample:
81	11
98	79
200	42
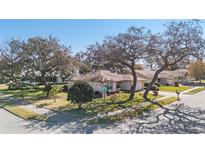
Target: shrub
65	88
176	84
13	86
97	94
36	86
167	84
157	84
146	84
80	93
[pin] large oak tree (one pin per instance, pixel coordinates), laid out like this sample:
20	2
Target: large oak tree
182	41
12	61
47	58
120	52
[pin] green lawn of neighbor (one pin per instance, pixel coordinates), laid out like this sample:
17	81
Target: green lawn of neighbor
194	91
173	88
20	112
202	81
3	86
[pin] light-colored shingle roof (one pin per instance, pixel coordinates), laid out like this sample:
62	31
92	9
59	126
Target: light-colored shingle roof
103	76
163	74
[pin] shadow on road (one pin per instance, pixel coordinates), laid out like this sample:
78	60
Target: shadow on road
177	119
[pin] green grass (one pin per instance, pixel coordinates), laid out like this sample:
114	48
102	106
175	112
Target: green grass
173	88
131	113
97	106
21	112
38	98
194	91
203	81
162	102
101	105
23	93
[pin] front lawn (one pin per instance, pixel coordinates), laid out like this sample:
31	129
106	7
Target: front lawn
95	107
111	103
132	113
194	91
37	97
173	88
162	102
23	93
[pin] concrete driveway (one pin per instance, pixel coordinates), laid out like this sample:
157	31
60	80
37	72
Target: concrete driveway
196	100
192	100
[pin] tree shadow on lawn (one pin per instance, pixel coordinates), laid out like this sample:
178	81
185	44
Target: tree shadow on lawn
177	119
62	123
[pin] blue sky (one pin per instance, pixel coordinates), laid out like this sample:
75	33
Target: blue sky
77	33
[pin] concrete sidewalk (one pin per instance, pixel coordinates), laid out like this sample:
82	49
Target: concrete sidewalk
53	116
25	104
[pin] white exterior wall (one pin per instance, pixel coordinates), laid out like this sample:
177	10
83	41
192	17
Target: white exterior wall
114	86
58	79
170	81
140	85
126	85
70	84
97	85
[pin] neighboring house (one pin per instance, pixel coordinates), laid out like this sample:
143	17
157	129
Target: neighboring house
165	77
55	78
145	74
59	79
113	81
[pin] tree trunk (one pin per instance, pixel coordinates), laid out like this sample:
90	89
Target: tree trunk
133	87
44	82
152	83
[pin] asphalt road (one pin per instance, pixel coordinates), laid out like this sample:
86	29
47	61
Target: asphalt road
10	124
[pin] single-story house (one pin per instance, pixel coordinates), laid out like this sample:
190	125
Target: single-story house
113	81
165	77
